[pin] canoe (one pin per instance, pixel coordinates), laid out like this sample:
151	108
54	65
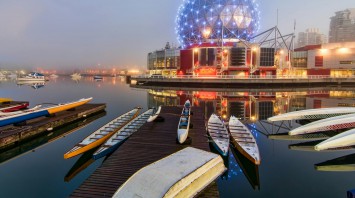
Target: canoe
182	174
153	117
329	124
67	106
122	135
344	139
313	114
218	133
14	107
4	114
243	140
184	122
17	117
102	134
5	100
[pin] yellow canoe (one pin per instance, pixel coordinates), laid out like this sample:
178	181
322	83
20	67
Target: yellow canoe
2	100
67	106
101	135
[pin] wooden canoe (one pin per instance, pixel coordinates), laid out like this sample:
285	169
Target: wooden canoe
102	134
218	133
121	135
243	140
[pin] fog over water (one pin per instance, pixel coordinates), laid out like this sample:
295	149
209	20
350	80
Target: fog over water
76	34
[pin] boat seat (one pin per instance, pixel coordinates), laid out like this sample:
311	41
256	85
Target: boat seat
238	129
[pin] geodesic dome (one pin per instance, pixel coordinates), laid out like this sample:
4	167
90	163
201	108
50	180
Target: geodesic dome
201	21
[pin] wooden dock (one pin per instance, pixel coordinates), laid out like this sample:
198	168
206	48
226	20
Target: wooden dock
150	143
12	135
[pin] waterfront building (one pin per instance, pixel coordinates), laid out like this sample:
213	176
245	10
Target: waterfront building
221	39
342	26
311	36
165	61
334	59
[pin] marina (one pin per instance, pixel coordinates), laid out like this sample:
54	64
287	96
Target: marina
158	139
152	142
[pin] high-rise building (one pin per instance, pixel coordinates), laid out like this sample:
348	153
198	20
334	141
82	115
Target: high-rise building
342	26
311	36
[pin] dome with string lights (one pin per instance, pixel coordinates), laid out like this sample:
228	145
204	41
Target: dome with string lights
201	21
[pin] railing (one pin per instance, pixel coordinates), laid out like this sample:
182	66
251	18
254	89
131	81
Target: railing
240	77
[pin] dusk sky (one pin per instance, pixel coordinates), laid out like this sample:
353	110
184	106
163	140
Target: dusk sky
78	33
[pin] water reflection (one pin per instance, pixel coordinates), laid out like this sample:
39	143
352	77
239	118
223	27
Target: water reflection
34	85
250	170
22	148
81	164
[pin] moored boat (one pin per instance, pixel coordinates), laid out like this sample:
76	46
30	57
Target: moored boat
102	134
156	114
98	77
184	122
243	140
5	100
18	117
122	135
69	105
14	107
182	174
344	139
313	114
333	123
218	133
33	76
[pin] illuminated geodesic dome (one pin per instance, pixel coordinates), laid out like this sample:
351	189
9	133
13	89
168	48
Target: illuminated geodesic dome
201	21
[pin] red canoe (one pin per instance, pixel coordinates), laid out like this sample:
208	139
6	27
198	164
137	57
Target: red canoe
14	107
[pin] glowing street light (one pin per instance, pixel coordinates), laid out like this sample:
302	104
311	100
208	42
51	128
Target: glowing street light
206	32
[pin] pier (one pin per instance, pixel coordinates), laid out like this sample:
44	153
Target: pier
12	135
237	81
152	142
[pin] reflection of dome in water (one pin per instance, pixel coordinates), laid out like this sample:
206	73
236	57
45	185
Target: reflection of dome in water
199	20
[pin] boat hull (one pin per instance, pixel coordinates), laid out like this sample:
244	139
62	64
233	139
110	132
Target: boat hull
65	107
182	135
77	150
244	153
22	118
344	139
107	151
15	107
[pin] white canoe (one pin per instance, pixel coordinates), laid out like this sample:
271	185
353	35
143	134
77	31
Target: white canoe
243	140
102	134
121	135
219	134
333	123
153	117
313	114
344	139
182	174
184	122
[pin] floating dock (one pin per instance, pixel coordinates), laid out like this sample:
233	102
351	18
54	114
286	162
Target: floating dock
12	135
152	142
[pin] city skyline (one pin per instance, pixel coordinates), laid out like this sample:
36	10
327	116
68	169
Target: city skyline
72	35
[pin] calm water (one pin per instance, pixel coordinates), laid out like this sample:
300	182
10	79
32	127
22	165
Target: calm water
41	171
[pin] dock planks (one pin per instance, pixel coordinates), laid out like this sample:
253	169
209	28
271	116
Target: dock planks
150	143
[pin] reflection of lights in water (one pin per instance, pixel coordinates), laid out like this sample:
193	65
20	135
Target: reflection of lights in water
233	169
